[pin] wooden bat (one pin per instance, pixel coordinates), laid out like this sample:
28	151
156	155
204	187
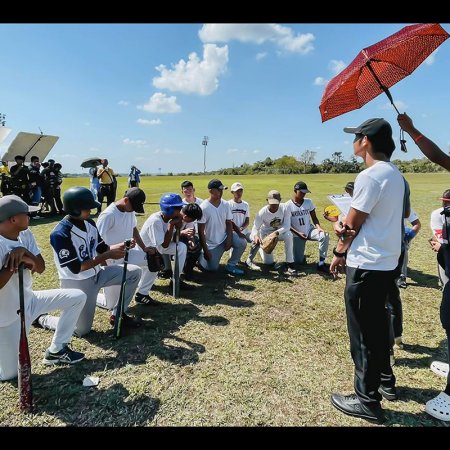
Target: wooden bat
176	271
24	366
119	311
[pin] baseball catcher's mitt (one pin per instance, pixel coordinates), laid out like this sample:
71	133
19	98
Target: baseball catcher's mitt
269	242
155	262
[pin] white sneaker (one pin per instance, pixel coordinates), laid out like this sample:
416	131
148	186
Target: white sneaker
398	343
251	265
439	368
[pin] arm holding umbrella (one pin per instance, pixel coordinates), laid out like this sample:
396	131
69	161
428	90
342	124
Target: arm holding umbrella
426	146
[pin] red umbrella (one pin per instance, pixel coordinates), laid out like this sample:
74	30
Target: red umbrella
380	66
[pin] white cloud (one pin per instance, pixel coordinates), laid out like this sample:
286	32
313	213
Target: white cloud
159	103
346	142
261	55
336	66
149	122
232	150
431	59
320	81
283	37
194	76
256	151
166	151
135	142
68	156
401	106
123	102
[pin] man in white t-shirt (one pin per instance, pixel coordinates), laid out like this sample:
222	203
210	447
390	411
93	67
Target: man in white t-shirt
215	230
372	234
272	218
303	211
18	246
240	210
188	190
116	224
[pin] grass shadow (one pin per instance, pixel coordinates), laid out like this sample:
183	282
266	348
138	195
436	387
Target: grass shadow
422	279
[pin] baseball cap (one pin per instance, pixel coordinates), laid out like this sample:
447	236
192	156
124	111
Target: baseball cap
274	197
350	185
186	184
377	130
236	186
446	196
301	186
216	184
11	205
137	199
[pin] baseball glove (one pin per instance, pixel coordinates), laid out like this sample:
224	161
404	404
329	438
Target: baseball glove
269	242
155	262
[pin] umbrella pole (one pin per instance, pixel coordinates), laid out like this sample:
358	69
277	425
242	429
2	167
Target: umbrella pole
385	89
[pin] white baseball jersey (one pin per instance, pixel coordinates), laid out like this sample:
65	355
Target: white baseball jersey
266	222
197	200
116	226
240	212
215	219
301	215
9	294
154	230
71	243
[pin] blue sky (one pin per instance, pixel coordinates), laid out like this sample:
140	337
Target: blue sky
146	94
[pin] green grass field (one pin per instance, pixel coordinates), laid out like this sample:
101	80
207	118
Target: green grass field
239	351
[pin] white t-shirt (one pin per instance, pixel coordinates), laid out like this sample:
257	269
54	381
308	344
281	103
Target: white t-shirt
215	222
301	215
198	200
266	222
9	294
154	230
115	226
379	192
240	212
437	223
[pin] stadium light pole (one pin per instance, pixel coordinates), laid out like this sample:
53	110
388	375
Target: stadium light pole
204	143
2	119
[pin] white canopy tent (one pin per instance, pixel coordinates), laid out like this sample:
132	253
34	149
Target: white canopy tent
4	131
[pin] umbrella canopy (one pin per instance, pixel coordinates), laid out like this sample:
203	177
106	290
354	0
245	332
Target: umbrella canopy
30	144
90	162
378	67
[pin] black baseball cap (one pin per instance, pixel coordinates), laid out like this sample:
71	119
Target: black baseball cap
378	131
137	199
350	185
301	186
186	184
216	184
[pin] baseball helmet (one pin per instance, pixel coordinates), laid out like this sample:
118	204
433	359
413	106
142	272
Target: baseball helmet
77	199
169	202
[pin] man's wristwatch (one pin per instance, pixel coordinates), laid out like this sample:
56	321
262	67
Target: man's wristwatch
339	255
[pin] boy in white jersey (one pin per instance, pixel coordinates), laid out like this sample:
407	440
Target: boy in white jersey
302	212
271	218
18	246
188	190
215	230
240	210
80	255
116	224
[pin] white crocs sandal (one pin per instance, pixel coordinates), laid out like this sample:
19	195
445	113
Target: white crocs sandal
439	407
439	368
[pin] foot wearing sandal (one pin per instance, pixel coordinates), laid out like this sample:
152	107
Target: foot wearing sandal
439	407
440	368
145	300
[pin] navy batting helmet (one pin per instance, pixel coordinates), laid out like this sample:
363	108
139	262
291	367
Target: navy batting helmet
77	199
169	202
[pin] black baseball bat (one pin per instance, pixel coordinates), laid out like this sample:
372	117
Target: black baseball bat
120	304
24	366
176	271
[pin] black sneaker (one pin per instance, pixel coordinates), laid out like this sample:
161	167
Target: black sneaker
127	321
352	406
145	300
388	392
401	282
165	274
324	268
65	356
